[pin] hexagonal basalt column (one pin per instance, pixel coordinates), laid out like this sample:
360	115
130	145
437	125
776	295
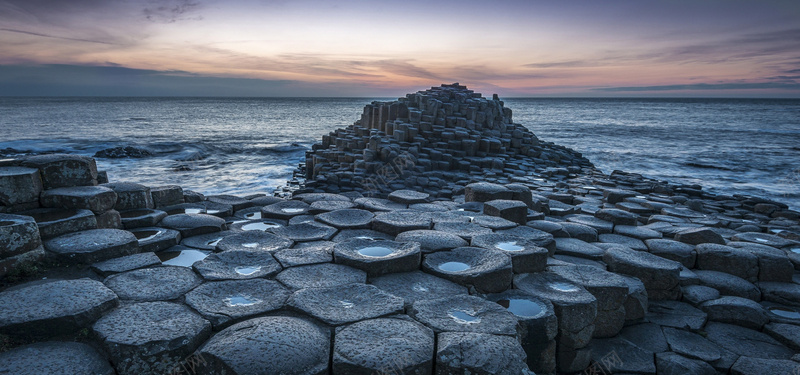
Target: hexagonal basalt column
347	218
285	210
153	284
226	302
479	353
489	271
417	286
485	191
378	257
126	263
515	211
660	276
432	240
98	199
237	265
295	346
54	357
156	239
308	231
463	230
737	262
345	304
141	217
151	337
19	185
131	195
94	245
19	242
166	195
254	240
193	224
321	275
53	308
62	170
525	255
408	196
383	345
53	222
396	222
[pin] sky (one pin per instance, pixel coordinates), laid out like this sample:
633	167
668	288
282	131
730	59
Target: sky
321	48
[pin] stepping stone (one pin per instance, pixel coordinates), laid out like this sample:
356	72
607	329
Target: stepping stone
63	170
464	313
319	207
432	240
479	353
344	304
300	219
250	213
304	232
396	222
616	216
773	264
408	196
362	234
167	195
578	248
130	195
676	314
697	294
255	241
670	363
217	209
736	310
19	235
672	250
193	224
485	191
525	255
763	239
226	302
538	237
237	265
316	197
666	219
347	218
417	286
378	257
608	288
729	285
125	264
634	208
659	276
382	345
629	242
182	256
378	205
783	293
575	307
295	346
306	253
94	245
641	233
555	229
749	365
488	271
696	236
53	222
692	345
208	241
648	336
237	203
430	207
141	217
599	225
618	356
737	262
580	232
617	195
636	304
682	213
322	275
515	211
285	210
153	284
746	342
184	208
53	308
19	185
98	199
786	334
54	357
136	336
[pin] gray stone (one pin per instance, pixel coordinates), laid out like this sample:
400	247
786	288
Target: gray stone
322	275
783	293
153	284
526	255
773	264
464	313
408	196
226	302
319	207
208	241
417	286
555	229
659	275
306	253
599	225
488	271
616	216
285	210
19	185
237	203
346	303
697	294
675	364
18	235
109	220
696	236
255	241
538	237
485	191
237	265
786	334
574	360
153	239
676	314
431	240
125	264
98	199
193	224
94	245
763	239
636	303
141	217
648	336
363	234
729	285
54	357
167	195
53	308
609	289
378	257
493	222
618	356
578	248
746	342
515	211
580	232
62	170
736	310
737	262
479	353
383	345
53	222
151	337
673	250
377	204
692	345
131	195
303	232
617	195
629	242
747	365
641	233
347	218
316	197
396	222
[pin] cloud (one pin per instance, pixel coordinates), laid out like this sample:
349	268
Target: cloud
170	11
55	37
705	87
562	64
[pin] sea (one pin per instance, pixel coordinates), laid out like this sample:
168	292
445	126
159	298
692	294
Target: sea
251	145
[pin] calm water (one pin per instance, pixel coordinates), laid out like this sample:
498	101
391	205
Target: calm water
242	146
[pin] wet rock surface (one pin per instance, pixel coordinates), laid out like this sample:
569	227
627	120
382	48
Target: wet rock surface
54	357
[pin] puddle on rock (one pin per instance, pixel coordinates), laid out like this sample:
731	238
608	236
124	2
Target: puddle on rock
784	312
522	307
368	238
247	270
146	235
795	250
375	251
563	287
292	210
250	245
193	210
261	225
463	317
347	304
453	266
253	215
214	242
183	258
509	246
761	239
241	300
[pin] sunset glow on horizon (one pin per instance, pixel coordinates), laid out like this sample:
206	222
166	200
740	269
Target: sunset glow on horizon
368	48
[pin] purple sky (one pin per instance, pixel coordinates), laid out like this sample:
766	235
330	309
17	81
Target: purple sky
692	48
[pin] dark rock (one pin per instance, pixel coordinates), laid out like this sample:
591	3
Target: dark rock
110	219
648	336
485	191
728	284
617	216
408	196
783	293
378	257
599	225
153	284
53	222
208	241
362	234
125	264
62	170
786	334
737	262
659	275
580	232
98	199
396	222
167	195
676	314
54	357
308	231
347	218
319	207
306	253
464	313
94	245
675	364
131	195
193	224
322	275
237	203
773	264
629	242
237	265
417	286
284	210
515	211
696	236
746	342
578	248
227	302
479	353
763	239
697	294
619	356
617	195
673	250
692	345
431	240
19	185
488	271
18	235
346	303
747	365
141	217
736	310
255	241
636	303
121	152
153	239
